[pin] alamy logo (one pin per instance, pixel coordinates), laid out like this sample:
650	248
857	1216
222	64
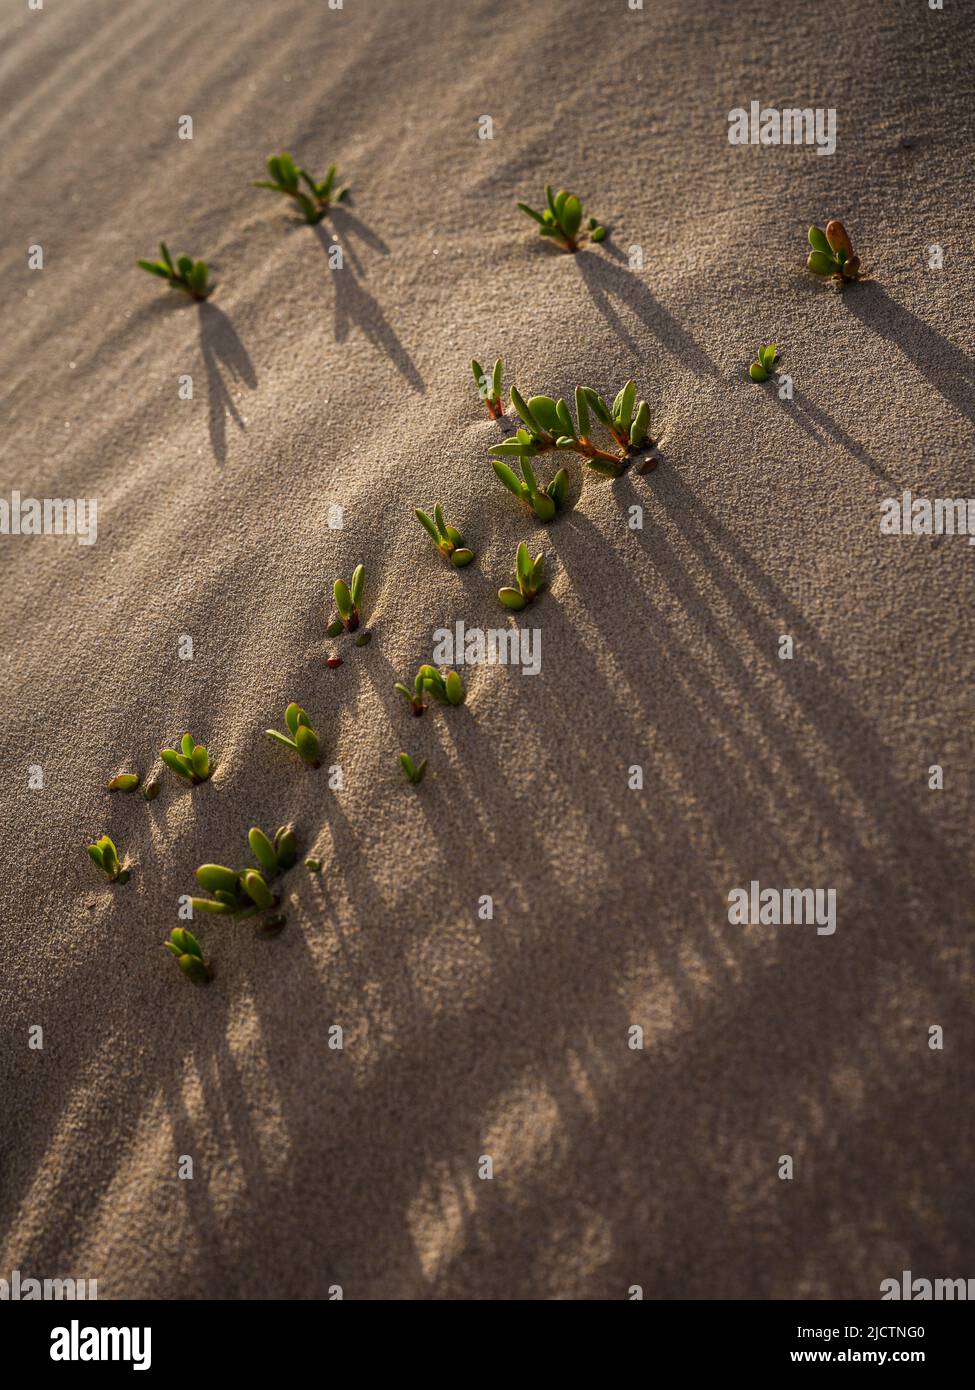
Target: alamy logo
495	646
19	1290
54	516
908	515
77	1343
756	906
925	1290
766	125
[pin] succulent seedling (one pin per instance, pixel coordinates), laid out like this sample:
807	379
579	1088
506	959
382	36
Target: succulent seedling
347	600
303	740
529	574
106	856
561	219
192	763
489	390
548	424
243	892
189	957
413	772
124	782
287	178
543	502
447	539
313	865
186	274
275	856
832	253
449	688
762	368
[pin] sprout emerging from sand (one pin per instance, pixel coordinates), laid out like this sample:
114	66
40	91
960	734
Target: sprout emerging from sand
529	573
447	688
543	502
303	740
287	178
348	597
243	892
192	763
548	424
275	856
447	539
186	274
124	782
562	219
832	253
313	865
106	856
189	956
489	390
413	772
762	368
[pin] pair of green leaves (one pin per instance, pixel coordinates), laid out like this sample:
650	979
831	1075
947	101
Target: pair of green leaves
832	252
187	274
447	539
287	177
448	688
413	772
304	741
348	598
192	763
543	502
761	369
489	391
529	574
104	853
189	956
561	219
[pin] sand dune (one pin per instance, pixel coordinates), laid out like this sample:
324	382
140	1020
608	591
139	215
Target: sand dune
315	388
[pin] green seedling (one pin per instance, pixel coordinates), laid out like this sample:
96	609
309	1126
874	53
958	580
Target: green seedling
832	253
124	782
314	866
186	274
545	502
287	178
489	390
561	219
529	574
348	597
235	894
548	424
413	772
303	740
192	763
275	856
762	368
189	957
449	689
447	539
106	856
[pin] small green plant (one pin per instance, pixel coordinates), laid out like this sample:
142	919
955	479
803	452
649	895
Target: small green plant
106	856
277	856
832	253
529	574
448	688
124	782
413	772
303	740
548	424
762	368
447	539
313	865
561	219
543	502
189	957
186	274
348	598
244	892
192	763
287	178
489	390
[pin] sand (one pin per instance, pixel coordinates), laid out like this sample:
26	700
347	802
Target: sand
508	1037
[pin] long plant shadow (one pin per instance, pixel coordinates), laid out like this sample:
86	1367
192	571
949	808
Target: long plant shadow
355	307
225	360
950	371
821	427
608	280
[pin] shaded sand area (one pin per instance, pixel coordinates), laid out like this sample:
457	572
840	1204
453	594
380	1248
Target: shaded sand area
315	388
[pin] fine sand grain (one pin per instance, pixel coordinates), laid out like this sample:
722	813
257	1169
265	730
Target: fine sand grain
508	1037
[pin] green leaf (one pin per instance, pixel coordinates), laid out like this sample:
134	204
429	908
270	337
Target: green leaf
124	782
512	598
185	265
427	524
453	688
257	890
177	763
768	355
404	690
343	599
508	477
757	372
281	738
334	628
565	420
641	425
820	263
535	581
461	557
582	412
496	379
531	481
441	523
194	969
289	172
627	398
308	745
262	849
817	240
523	564
358	580
217	876
544	411
187	743
197	278
608	467
286	846
167	258
598	405
598	234
549	199
543	505
570	215
523	410
558	488
532	213
95	854
208	905
511	448
154	268
201	762
478	373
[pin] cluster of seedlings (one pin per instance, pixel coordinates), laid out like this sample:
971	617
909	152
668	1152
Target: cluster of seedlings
545	425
